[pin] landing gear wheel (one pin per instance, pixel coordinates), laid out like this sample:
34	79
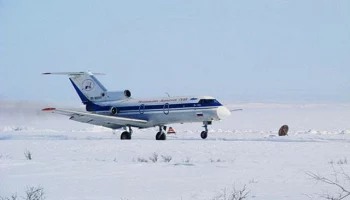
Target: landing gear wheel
204	134
160	136
163	136
125	135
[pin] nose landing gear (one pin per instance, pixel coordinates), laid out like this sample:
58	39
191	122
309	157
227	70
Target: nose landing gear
161	134
204	134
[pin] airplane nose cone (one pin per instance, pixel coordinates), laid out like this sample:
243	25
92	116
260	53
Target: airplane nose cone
223	112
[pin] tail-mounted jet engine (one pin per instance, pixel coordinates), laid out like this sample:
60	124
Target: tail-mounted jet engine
127	93
116	95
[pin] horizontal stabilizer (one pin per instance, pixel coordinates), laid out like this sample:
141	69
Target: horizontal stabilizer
70	73
48	109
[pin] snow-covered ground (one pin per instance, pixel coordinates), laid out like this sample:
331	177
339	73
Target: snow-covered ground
77	161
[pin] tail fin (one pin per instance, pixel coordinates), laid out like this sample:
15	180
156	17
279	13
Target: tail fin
90	89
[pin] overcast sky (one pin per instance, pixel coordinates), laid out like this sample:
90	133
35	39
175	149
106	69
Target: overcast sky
278	50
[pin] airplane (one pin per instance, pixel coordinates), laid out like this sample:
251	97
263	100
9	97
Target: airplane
117	109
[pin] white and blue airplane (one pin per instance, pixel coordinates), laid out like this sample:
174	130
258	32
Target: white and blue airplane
117	109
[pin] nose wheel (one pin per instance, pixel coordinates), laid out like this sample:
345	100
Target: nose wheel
204	134
161	134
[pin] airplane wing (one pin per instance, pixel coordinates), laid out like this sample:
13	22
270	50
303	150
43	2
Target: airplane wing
236	110
98	119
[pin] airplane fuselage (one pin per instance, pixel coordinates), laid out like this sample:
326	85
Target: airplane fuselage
161	111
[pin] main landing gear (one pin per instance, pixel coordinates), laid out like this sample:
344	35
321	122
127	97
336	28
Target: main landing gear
161	134
126	135
204	134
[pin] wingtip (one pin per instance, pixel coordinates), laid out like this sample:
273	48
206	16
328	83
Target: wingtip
48	109
46	73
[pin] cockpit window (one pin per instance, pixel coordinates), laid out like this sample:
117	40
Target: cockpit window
207	101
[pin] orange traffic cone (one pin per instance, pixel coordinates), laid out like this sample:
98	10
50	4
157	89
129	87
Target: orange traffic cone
171	131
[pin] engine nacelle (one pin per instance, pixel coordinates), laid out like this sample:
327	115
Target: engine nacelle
127	93
117	95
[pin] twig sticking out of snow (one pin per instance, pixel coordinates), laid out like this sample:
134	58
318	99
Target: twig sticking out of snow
28	155
343	192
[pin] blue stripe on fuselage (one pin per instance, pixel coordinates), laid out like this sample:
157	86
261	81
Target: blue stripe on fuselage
123	109
162	110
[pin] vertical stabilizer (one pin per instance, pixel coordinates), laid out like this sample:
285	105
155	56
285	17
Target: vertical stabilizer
88	87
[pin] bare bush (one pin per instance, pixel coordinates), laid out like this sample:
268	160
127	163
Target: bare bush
234	194
339	162
31	193
34	193
343	192
13	197
141	160
253	181
154	158
28	155
342	161
167	158
187	160
217	160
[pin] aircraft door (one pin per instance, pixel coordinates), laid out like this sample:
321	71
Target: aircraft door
142	108
166	108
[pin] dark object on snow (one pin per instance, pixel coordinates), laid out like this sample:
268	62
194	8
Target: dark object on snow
283	130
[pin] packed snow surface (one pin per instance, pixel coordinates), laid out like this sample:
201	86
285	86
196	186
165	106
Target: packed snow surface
71	160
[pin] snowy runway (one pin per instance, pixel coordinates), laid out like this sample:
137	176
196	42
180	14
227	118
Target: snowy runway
107	168
75	161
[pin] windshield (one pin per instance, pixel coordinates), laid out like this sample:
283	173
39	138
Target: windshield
207	101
